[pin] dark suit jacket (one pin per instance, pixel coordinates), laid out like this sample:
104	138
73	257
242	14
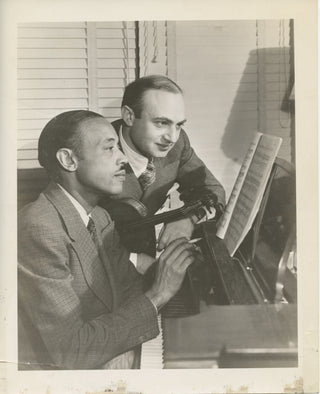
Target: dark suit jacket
181	165
78	308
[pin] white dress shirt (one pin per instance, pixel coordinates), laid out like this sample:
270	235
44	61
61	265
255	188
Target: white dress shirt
82	212
137	162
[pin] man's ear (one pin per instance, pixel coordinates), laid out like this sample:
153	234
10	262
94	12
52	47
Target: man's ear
127	115
67	159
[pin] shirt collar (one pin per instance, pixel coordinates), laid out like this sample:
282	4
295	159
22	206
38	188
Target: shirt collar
137	162
82	212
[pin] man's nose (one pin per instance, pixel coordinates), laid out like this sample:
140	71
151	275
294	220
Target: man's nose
172	133
122	159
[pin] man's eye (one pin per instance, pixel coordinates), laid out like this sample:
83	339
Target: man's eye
161	123
112	148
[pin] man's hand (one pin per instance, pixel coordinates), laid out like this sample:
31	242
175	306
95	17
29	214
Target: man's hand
144	261
175	230
172	266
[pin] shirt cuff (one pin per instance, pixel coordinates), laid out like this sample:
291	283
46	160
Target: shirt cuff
134	259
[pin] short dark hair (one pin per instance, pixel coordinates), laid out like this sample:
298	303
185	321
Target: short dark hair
134	92
61	132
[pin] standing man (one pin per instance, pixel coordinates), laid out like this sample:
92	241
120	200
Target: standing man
151	136
81	303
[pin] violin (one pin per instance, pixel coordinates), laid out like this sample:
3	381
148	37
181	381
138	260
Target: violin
136	226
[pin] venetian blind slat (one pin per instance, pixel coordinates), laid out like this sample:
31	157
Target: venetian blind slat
31	134
43	113
104	43
26	164
115	63
53	25
109	103
43	84
111	83
56	43
63	33
53	53
52	103
52	73
29	144
116	73
116	33
51	93
52	63
110	113
115	53
114	25
110	93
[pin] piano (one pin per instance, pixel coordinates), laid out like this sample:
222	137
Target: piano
245	312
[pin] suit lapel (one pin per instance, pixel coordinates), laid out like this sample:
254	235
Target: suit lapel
131	186
104	255
82	243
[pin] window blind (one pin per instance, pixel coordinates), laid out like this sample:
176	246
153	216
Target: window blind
65	66
153	51
115	64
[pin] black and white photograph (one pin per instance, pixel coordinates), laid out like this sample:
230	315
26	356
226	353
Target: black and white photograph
157	204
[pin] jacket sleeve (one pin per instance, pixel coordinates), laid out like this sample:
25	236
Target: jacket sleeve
194	178
48	297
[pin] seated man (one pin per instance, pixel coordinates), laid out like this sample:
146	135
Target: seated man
159	155
81	303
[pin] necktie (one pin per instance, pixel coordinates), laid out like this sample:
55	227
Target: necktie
93	231
148	176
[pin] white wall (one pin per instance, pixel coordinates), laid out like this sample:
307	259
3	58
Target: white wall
234	75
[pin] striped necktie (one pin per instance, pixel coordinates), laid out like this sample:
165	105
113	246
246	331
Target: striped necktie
148	176
93	231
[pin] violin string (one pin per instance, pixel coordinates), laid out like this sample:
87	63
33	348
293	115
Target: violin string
176	212
151	219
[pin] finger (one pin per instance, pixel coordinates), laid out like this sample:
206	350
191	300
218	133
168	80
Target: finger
172	245
194	253
167	238
173	250
161	241
186	263
177	257
198	261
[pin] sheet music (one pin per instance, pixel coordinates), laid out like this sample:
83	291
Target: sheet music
224	222
249	194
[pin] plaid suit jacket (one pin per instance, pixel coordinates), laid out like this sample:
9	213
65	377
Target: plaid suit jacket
78	308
